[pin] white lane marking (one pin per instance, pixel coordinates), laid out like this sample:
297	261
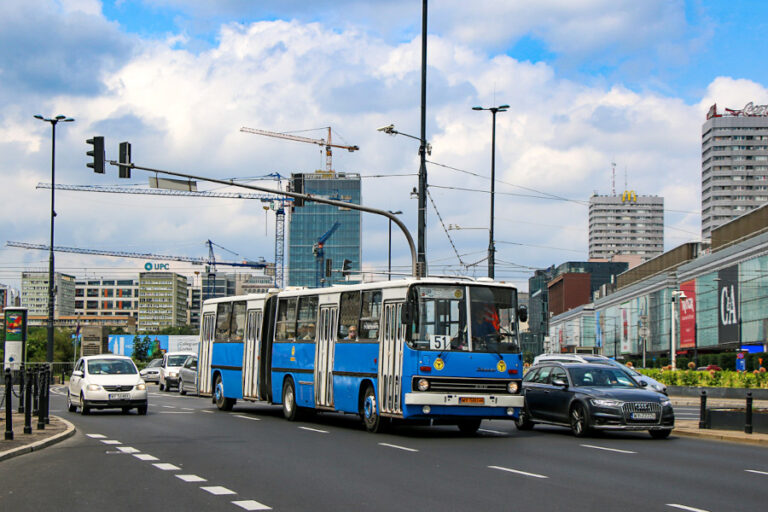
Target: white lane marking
96	436
110	441
169	406
491	431
314	430
187	409
398	447
218	490
246	417
756	471
174	412
191	478
166	467
251	505
606	449
145	456
517	471
127	449
684	507
207	412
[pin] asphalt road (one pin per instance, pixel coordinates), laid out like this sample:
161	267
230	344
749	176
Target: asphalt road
186	455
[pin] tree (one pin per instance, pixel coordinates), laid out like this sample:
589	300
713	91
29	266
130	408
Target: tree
141	348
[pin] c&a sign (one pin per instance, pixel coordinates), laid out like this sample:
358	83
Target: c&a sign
728	311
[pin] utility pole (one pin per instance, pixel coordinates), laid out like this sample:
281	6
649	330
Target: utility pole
421	236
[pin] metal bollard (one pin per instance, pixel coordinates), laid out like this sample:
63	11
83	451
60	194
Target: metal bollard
35	390
41	401
8	405
21	388
47	388
703	410
28	404
748	422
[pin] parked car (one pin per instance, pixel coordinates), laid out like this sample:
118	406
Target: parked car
169	369
106	381
151	372
188	376
593	358
710	367
587	396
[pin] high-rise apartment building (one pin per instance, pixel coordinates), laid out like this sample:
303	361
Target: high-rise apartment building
312	222
107	296
625	225
162	301
34	293
734	164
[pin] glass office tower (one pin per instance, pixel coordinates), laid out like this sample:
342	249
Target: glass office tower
311	223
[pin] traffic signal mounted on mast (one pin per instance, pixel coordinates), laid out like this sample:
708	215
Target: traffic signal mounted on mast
97	153
125	158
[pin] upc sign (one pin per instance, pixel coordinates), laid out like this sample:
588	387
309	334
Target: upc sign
149	266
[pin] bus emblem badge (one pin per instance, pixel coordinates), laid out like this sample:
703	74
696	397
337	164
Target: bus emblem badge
439	364
501	366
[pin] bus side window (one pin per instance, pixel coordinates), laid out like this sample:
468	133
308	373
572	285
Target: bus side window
237	330
349	315
370	314
286	320
223	319
307	318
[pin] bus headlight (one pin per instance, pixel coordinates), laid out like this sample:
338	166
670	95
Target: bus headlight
422	385
513	387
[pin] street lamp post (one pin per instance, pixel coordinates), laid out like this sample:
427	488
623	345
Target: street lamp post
422	242
389	246
491	247
53	121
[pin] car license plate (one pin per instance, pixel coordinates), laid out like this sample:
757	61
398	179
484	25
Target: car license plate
119	396
643	416
471	400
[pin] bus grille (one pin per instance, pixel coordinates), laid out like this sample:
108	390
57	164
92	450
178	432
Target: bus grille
460	385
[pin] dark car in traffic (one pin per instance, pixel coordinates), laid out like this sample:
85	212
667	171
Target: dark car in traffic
588	397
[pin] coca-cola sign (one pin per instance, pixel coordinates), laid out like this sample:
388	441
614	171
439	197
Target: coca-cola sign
750	109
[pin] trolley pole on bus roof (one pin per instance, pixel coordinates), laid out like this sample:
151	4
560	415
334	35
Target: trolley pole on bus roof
306	197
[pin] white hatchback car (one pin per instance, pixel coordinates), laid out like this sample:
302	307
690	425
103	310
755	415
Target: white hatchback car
170	367
106	381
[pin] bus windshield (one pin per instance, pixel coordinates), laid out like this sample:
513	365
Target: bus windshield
443	312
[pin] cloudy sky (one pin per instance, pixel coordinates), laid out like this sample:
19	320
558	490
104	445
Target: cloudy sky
589	83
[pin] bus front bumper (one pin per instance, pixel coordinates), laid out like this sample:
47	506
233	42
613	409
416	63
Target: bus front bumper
472	400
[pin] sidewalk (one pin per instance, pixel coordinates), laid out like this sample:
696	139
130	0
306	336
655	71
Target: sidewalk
690	428
57	430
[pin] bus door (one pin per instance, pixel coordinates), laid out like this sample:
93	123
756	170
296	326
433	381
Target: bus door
324	352
207	330
391	360
252	355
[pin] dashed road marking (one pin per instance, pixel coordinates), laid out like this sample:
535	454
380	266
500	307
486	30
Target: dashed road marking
314	430
191	478
110	441
166	466
169	406
187	408
207	412
246	417
145	456
685	507
606	449
251	505
492	431
127	449
518	472
398	447
218	490
756	471
96	436
174	412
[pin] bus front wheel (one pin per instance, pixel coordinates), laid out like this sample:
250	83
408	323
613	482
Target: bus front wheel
469	426
373	421
290	409
222	402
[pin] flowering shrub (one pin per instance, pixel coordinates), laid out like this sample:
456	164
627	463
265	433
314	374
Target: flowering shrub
711	378
691	365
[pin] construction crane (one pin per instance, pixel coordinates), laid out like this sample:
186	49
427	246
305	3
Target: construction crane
321	142
319	252
277	203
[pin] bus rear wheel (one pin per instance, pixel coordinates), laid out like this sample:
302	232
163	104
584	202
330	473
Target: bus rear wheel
469	426
290	409
222	402
373	421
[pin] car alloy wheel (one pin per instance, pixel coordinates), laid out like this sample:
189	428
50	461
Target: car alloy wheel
579	421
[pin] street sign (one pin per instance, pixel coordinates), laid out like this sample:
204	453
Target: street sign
644	332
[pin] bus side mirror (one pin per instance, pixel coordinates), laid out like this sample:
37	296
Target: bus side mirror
522	314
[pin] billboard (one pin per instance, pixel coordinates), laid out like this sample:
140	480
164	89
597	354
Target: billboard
688	315
625	330
728	317
122	344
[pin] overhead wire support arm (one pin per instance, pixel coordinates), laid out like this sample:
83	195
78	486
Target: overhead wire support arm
296	195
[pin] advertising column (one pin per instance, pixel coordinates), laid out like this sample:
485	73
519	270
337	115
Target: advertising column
15	337
728	317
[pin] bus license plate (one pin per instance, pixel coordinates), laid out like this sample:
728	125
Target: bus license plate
119	396
643	416
471	400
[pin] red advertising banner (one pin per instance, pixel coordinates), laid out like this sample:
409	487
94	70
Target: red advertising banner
688	315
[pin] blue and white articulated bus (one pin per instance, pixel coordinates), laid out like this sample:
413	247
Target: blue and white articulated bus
444	350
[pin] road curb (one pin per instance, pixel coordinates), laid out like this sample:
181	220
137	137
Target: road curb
43	443
729	438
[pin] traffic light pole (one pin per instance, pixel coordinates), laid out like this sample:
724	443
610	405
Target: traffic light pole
306	197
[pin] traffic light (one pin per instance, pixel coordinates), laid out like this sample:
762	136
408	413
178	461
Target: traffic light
345	267
97	153
125	158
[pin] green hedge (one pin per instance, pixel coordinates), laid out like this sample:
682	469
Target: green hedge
722	379
725	360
